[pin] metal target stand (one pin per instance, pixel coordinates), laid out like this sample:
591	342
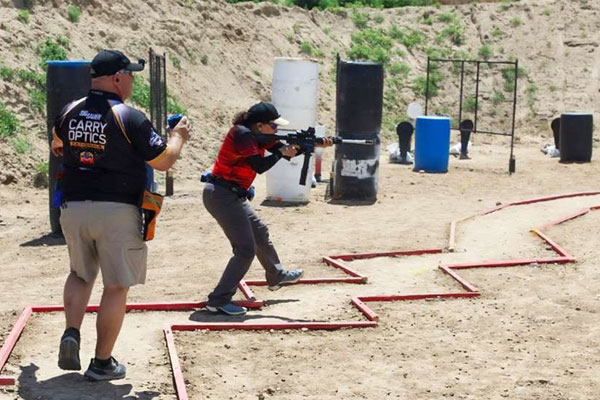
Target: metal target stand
511	133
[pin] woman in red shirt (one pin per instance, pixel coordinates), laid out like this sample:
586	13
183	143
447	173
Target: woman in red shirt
225	196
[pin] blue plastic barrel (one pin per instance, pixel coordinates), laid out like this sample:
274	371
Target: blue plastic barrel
432	143
65	81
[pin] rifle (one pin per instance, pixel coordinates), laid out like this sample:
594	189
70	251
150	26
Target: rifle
306	140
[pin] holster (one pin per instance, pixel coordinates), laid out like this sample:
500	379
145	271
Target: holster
151	205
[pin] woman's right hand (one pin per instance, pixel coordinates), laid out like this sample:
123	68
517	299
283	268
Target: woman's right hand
289	150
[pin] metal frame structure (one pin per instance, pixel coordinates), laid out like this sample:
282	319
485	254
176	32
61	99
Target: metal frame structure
511	164
336	261
158	102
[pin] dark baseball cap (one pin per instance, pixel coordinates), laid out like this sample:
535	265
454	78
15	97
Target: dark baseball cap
109	62
265	112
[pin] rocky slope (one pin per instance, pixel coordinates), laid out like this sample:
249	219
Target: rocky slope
221	56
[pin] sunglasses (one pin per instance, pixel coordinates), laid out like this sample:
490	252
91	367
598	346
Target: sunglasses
273	125
125	72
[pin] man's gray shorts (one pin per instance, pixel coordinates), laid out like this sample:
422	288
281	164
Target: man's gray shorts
105	235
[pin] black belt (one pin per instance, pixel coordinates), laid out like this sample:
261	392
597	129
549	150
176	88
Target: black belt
234	187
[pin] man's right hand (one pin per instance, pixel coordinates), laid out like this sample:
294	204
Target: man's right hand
182	129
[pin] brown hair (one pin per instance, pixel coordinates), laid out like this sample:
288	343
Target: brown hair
241	118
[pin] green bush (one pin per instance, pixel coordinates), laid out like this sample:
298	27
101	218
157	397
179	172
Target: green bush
23	16
498	98
497	32
42	168
471	104
360	19
435	80
176	61
448	17
516	21
74	13
398	69
485	52
6	73
37	98
456	33
508	73
8	122
370	45
410	38
50	50
140	93
21	145
378	19
32	77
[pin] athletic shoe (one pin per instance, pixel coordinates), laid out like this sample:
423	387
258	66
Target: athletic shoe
288	278
68	353
229	309
99	372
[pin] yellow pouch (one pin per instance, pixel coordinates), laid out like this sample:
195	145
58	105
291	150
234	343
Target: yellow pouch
151	205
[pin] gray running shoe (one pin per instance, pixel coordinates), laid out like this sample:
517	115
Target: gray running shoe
98	372
288	278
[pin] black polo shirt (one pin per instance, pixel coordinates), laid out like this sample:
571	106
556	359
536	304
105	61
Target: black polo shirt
105	145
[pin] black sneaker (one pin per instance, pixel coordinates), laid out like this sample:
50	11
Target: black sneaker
68	353
105	370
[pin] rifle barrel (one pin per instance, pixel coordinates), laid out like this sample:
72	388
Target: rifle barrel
356	141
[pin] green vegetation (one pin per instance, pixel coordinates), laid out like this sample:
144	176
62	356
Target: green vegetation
516	21
74	13
6	74
360	19
485	52
42	168
371	45
378	19
427	20
497	32
455	32
471	104
508	74
324	4
37	99
21	145
140	95
448	17
546	12
204	59
310	50
498	98
51	50
8	122
531	95
176	61
23	16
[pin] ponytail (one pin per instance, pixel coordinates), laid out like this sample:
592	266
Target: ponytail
241	118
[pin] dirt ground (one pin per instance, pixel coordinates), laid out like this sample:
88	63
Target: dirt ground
532	334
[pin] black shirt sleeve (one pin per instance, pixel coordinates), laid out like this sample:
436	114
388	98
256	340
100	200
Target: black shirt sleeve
262	164
143	136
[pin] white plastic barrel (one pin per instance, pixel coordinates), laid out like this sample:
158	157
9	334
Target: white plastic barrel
295	90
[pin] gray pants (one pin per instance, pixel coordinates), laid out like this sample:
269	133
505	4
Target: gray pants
248	236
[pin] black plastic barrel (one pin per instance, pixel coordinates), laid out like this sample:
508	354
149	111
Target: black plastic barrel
576	137
359	109
65	81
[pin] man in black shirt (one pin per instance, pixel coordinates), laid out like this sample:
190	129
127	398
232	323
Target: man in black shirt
105	146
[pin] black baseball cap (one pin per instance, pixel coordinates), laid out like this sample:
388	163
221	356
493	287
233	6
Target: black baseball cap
109	62
265	112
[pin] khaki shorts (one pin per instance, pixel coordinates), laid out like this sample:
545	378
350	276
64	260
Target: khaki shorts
107	236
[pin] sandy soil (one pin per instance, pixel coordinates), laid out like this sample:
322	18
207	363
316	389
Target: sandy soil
533	333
